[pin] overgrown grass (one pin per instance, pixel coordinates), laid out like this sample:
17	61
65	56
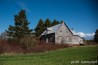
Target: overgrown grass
58	57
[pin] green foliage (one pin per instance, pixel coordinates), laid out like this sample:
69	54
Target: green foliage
39	28
20	27
96	36
39	25
28	41
55	22
47	23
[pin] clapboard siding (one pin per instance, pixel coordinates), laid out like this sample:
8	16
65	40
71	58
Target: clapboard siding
60	34
63	34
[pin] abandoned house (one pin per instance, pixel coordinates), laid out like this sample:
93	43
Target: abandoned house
60	34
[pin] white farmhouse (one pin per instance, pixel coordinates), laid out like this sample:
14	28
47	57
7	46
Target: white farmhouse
60	34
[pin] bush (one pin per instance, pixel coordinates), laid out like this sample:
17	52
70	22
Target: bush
3	46
28	41
90	42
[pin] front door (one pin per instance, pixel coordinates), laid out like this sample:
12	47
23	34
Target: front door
46	40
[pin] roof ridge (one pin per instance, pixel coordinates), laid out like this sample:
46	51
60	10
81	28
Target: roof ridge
54	25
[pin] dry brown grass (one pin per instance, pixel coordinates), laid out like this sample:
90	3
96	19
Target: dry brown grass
13	47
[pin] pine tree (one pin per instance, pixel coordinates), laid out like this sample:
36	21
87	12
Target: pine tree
55	22
39	28
96	36
47	23
20	27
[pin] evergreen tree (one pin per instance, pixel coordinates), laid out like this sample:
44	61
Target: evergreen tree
55	22
47	23
96	36
62	21
39	28
20	27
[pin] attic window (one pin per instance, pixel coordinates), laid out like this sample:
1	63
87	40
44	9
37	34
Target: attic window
60	30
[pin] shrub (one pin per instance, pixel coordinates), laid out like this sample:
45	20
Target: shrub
1	49
3	46
28	41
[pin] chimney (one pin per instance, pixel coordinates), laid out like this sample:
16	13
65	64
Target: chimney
62	21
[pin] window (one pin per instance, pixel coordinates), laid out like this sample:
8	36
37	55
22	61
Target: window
60	30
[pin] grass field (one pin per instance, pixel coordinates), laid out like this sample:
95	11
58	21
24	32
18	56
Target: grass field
64	56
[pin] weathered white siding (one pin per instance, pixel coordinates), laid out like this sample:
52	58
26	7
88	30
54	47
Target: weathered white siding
63	35
77	40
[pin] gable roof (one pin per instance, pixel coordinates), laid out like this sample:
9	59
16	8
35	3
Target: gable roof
52	29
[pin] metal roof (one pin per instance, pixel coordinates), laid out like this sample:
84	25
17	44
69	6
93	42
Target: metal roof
52	29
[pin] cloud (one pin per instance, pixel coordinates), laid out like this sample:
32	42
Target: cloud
81	34
84	35
23	5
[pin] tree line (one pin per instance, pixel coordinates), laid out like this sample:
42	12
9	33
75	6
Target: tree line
42	25
21	27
